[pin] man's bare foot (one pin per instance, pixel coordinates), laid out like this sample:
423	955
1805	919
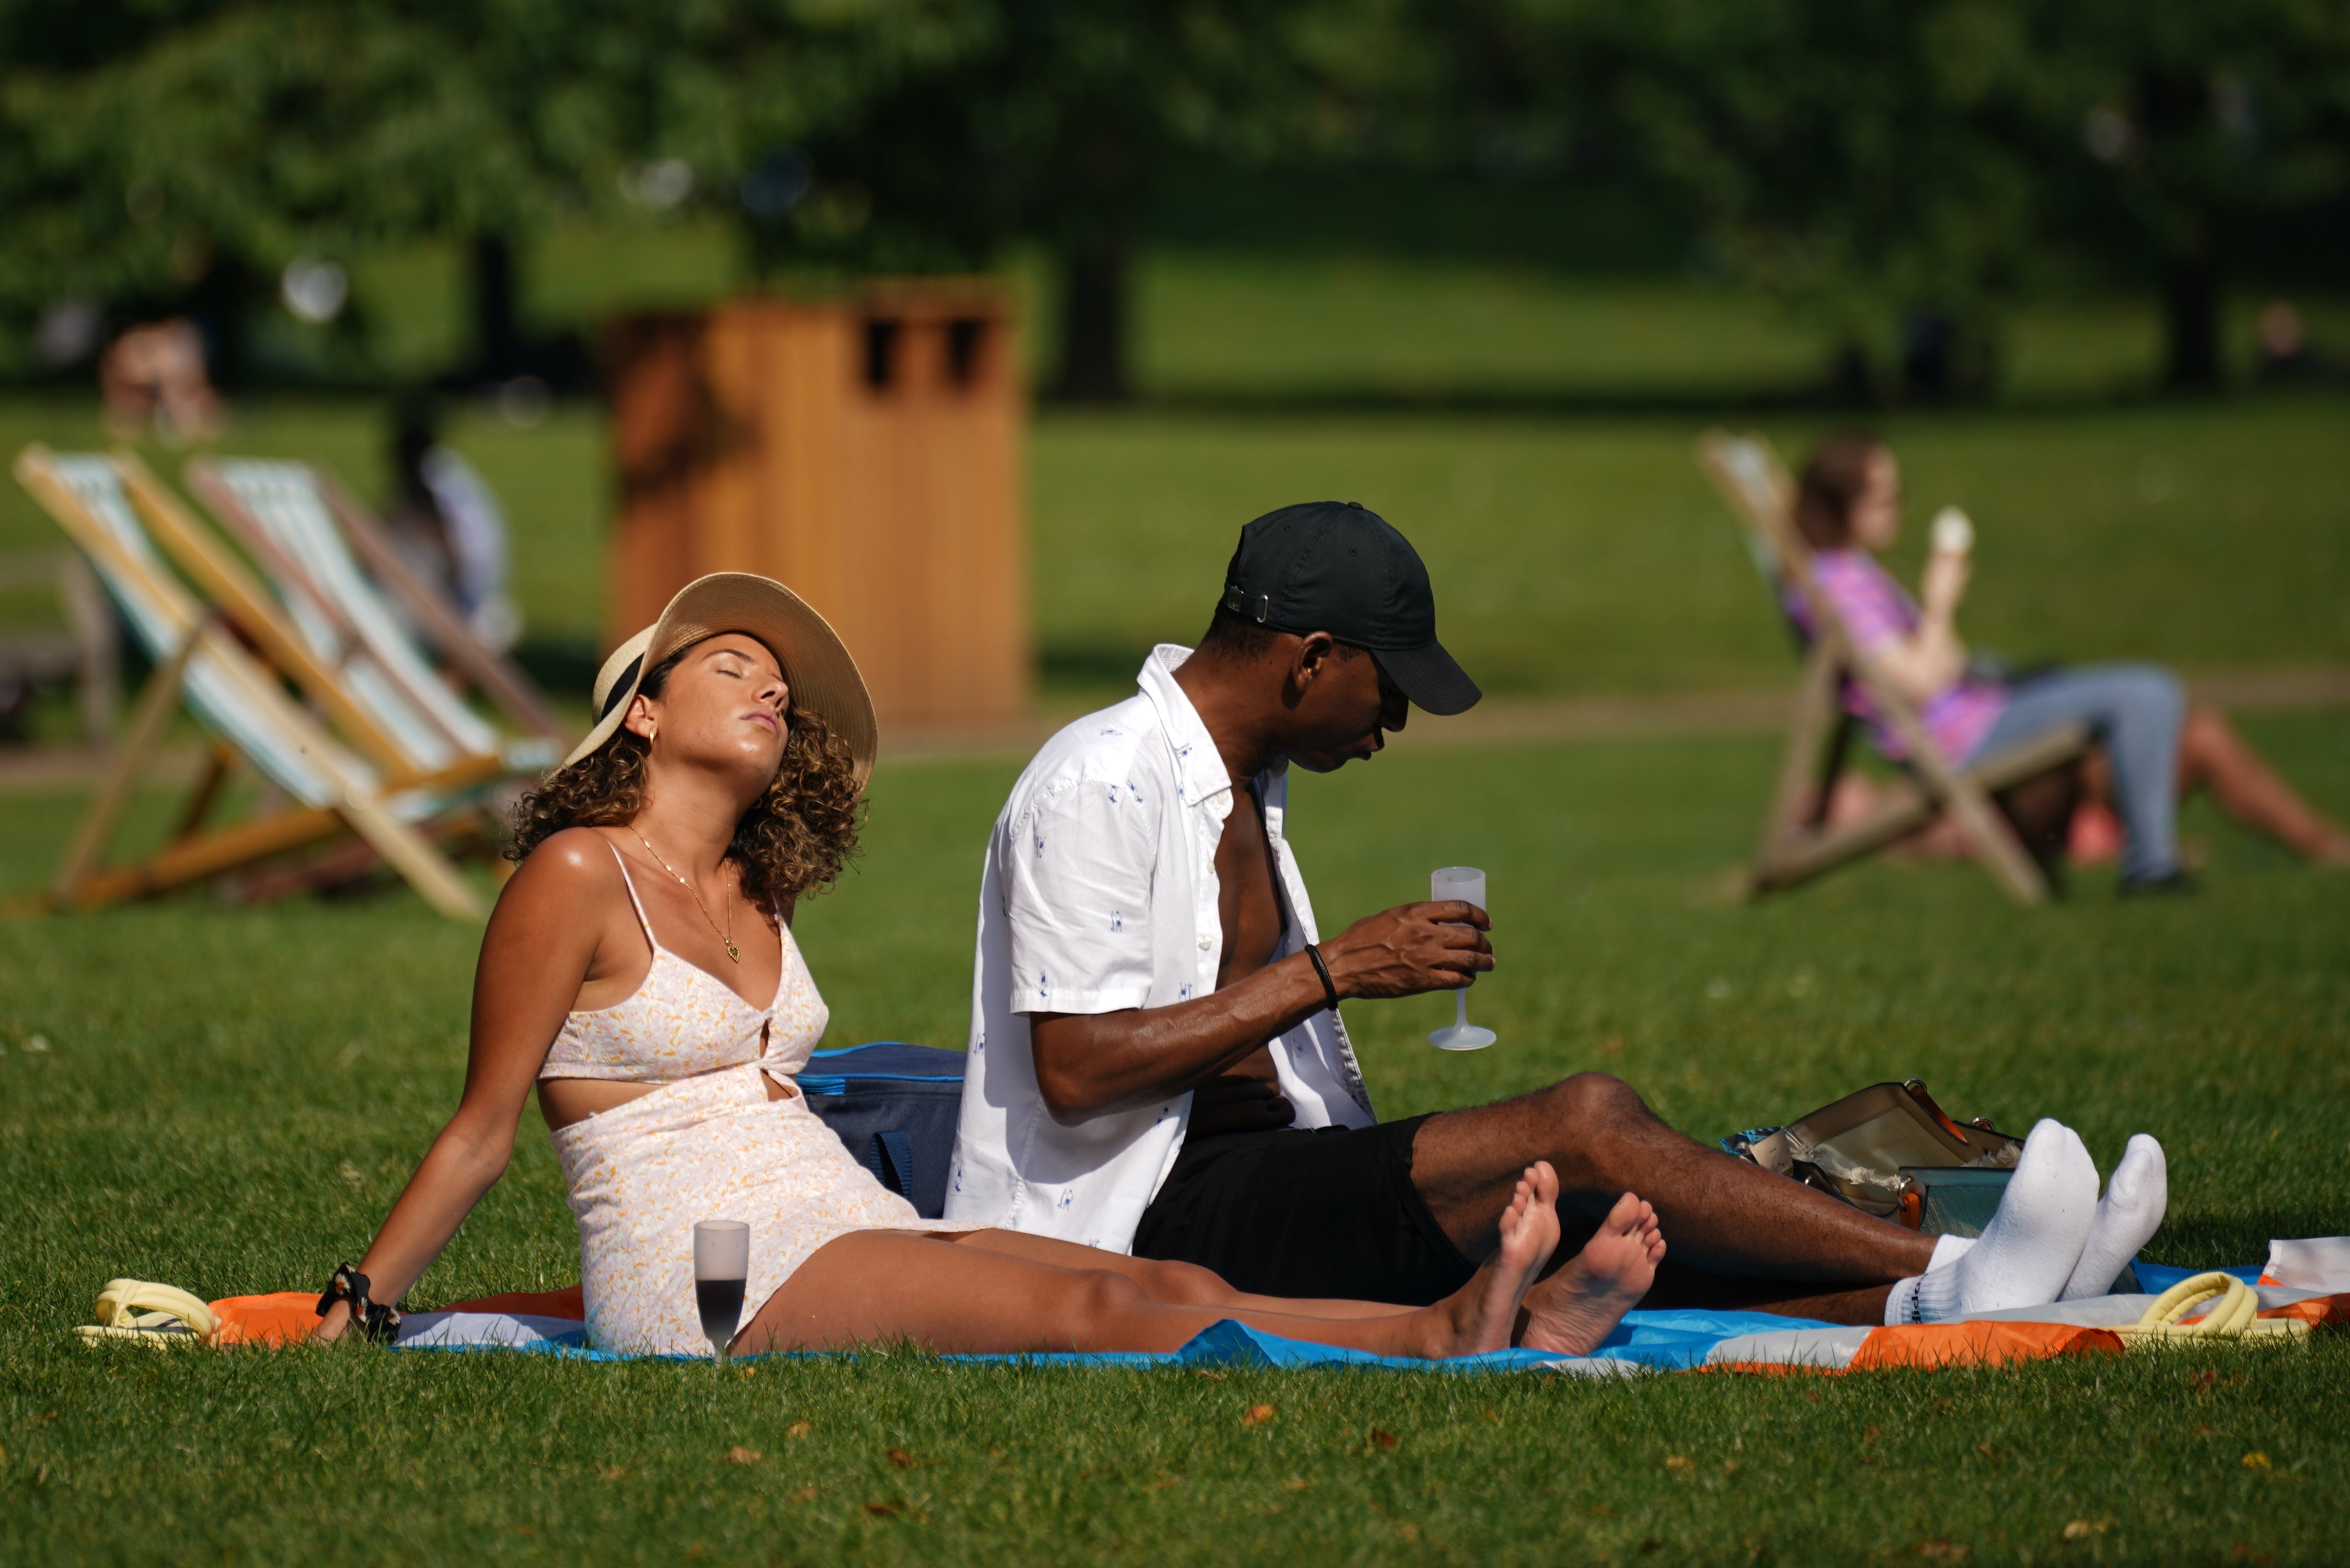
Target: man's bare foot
1480	1315
1576	1308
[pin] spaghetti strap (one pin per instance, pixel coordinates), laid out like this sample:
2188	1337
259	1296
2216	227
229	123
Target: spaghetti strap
630	883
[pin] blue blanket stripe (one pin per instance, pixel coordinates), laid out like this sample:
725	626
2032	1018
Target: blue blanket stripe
2155	1278
1660	1340
1664	1341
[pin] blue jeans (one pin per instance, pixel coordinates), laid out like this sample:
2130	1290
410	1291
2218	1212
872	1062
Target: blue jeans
2137	711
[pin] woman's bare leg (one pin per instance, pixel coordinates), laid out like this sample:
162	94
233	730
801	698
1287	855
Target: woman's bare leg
1177	1283
2212	754
882	1286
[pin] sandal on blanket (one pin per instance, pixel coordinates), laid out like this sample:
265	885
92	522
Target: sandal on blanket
2234	1313
150	1313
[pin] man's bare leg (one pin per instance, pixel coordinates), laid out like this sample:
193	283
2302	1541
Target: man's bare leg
1789	1248
1580	1304
1679	1287
883	1286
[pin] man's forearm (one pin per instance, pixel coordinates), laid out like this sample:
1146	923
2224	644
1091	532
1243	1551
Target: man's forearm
1090	1065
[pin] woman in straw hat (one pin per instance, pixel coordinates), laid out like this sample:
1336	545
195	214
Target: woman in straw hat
639	972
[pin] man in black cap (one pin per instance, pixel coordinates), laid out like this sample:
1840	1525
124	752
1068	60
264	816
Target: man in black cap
1157	1060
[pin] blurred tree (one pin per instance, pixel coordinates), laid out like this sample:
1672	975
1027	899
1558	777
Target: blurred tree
151	150
1053	127
147	146
2172	126
1873	163
1868	164
162	158
1924	163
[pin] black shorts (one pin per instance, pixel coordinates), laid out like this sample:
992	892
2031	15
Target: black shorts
1321	1211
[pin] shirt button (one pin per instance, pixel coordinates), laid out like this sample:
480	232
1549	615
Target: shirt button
1207	942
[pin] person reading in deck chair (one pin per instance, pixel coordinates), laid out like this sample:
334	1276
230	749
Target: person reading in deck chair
720	783
2154	748
1158	1063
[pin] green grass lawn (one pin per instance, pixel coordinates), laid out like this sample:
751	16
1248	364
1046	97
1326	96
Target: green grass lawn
1571	555
231	1098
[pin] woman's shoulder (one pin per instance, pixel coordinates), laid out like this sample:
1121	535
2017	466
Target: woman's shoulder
575	850
576	863
1854	576
1848	564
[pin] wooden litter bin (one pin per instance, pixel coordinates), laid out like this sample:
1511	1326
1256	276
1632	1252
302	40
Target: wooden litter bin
865	451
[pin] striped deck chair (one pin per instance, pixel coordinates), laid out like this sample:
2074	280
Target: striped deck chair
311	536
1796	845
244	703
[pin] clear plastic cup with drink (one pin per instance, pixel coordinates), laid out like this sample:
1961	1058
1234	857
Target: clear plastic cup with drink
721	1270
1467	885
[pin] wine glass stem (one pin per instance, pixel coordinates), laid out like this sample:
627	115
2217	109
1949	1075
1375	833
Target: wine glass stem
1460	1008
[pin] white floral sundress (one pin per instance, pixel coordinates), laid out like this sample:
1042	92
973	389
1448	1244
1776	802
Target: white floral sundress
708	1145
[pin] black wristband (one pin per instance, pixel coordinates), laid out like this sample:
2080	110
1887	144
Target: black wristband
374	1321
1329	990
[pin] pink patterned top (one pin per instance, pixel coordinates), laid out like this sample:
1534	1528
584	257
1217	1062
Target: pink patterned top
1878	612
683	1020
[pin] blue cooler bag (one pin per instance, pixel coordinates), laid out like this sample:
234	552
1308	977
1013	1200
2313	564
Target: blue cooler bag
895	1106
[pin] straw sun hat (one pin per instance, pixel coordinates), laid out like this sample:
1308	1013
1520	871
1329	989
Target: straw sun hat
823	677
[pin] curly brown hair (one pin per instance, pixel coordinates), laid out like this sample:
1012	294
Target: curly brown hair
796	839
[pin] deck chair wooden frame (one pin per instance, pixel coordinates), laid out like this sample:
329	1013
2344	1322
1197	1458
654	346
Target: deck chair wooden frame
441	623
1796	844
280	513
244	704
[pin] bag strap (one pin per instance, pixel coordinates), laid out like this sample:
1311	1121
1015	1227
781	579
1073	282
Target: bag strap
893	1160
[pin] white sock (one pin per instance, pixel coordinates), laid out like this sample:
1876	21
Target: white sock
2128	1217
2027	1251
1901	1307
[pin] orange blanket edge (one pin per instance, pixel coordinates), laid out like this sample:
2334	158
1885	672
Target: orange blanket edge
1979	1344
286	1317
2316	1309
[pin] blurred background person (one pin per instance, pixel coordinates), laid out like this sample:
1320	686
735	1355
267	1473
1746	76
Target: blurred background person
154	382
446	522
2153	748
2285	353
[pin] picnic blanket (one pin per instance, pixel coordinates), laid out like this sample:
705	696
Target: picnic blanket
553	1322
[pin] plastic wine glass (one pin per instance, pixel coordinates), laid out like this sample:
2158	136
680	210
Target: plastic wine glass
1467	884
722	1269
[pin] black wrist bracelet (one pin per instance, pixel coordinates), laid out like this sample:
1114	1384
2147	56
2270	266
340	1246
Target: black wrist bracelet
1329	990
375	1320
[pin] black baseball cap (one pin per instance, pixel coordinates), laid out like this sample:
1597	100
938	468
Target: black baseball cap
1334	567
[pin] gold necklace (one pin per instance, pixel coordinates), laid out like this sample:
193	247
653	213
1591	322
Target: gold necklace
726	936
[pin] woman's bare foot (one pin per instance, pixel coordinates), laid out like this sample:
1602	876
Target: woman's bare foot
1576	1308
1480	1315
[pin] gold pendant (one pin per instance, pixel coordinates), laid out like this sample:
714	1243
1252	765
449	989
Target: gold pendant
734	953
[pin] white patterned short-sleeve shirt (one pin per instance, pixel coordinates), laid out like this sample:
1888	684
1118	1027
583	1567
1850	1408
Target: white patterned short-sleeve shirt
1100	895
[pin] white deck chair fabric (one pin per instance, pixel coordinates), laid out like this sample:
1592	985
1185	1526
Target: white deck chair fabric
229	692
388	676
1750	468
